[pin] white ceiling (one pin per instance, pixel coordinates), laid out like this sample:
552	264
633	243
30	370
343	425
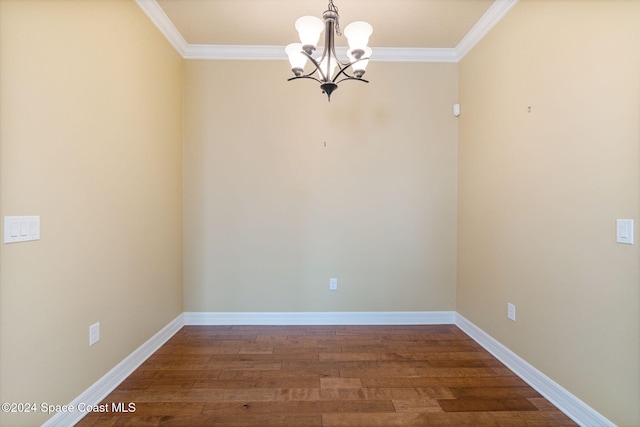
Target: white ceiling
405	30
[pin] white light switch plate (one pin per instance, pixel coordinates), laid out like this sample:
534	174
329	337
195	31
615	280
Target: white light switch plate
94	333
21	228
511	311
624	231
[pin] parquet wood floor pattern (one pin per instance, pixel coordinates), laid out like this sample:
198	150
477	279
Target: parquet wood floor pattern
325	376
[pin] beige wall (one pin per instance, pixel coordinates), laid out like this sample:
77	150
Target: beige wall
271	213
91	115
539	194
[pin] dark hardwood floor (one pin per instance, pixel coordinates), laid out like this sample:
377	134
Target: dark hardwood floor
324	376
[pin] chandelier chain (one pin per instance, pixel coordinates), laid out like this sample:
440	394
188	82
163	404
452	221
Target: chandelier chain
332	7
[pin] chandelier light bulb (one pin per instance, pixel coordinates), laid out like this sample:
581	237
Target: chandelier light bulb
358	34
359	66
309	29
297	59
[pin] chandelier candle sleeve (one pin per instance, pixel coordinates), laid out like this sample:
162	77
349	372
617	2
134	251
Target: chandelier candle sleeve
328	69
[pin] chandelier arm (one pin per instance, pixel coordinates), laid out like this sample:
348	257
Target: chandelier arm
316	65
343	70
351	78
304	77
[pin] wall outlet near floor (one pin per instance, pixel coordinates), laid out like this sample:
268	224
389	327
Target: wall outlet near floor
511	311
94	333
333	284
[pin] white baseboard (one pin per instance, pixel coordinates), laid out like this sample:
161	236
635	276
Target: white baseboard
105	385
573	407
322	318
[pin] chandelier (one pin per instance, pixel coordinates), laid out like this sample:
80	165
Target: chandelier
328	70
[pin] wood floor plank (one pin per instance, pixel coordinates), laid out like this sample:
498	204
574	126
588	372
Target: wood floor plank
243	420
416	405
349	394
136	384
259	383
172	384
496	392
352	356
340	383
357	406
381	372
409	375
194	374
300	355
486	404
389	419
453	363
422	419
278	374
203	395
266	408
444	382
242	365
435	392
168	408
546	419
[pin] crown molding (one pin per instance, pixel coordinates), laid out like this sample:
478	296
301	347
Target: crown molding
155	13
491	17
381	54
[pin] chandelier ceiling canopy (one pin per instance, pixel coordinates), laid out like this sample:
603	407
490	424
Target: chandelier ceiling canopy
327	69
